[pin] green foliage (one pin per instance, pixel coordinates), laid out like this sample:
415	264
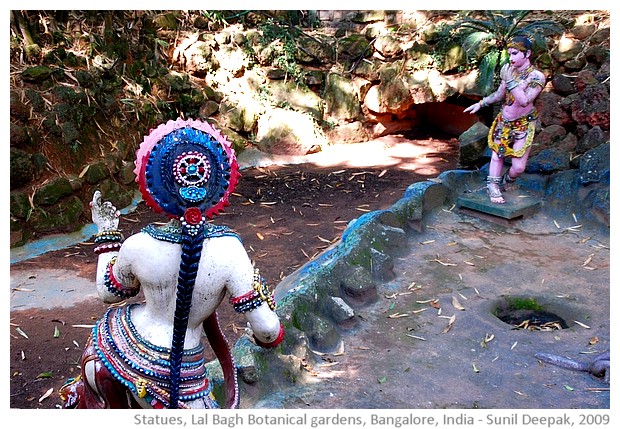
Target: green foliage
485	40
216	18
284	49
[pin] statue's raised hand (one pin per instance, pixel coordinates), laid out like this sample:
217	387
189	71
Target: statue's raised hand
506	73
105	215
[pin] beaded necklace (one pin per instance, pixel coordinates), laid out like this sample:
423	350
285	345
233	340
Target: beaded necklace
522	75
172	231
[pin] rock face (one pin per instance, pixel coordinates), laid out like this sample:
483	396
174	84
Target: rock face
288	90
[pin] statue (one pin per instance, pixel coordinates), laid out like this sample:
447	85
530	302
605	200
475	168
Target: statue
512	131
150	355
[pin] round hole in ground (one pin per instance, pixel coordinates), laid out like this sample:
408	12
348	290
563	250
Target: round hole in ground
533	313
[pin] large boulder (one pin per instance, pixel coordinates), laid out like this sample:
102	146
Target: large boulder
53	191
592	108
340	97
551	110
287	92
594	165
472	144
392	94
240	112
548	161
567	48
21	168
195	56
287	132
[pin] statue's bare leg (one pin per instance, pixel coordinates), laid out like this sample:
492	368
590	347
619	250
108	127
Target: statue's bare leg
494	179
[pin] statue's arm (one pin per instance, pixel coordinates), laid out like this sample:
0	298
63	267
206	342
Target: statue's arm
526	92
497	96
251	296
500	92
114	279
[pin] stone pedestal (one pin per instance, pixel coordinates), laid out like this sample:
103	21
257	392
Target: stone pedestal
518	204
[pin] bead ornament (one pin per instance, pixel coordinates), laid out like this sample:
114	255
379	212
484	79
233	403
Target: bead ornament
143	367
108	236
114	286
107	247
253	299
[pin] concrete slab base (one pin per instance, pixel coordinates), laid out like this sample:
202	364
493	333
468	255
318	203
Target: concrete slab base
518	204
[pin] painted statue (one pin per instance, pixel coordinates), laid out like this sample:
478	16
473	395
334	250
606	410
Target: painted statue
150	355
512	131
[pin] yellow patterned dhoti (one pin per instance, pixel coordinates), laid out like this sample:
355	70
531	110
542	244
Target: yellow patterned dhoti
504	133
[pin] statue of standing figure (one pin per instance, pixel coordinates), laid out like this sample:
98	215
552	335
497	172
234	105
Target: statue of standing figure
512	131
151	354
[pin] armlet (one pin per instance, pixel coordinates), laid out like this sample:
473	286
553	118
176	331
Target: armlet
114	286
253	299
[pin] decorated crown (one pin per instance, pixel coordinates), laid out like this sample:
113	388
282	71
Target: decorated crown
186	168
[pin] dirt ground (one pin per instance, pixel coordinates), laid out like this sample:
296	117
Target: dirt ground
285	215
432	339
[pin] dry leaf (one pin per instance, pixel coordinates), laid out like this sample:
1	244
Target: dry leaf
435	303
487	339
449	326
416	337
446	264
397	315
47	394
593	341
583	325
457	304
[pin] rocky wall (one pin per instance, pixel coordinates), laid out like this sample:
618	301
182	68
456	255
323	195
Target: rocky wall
75	125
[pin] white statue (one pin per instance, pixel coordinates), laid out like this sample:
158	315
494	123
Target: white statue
185	270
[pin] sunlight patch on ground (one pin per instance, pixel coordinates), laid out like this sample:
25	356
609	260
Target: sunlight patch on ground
386	152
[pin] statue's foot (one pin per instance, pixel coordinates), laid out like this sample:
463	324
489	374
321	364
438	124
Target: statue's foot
507	181
495	195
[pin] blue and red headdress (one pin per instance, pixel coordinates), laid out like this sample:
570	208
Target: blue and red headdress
185	167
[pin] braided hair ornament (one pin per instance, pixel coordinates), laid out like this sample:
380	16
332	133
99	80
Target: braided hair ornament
187	170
